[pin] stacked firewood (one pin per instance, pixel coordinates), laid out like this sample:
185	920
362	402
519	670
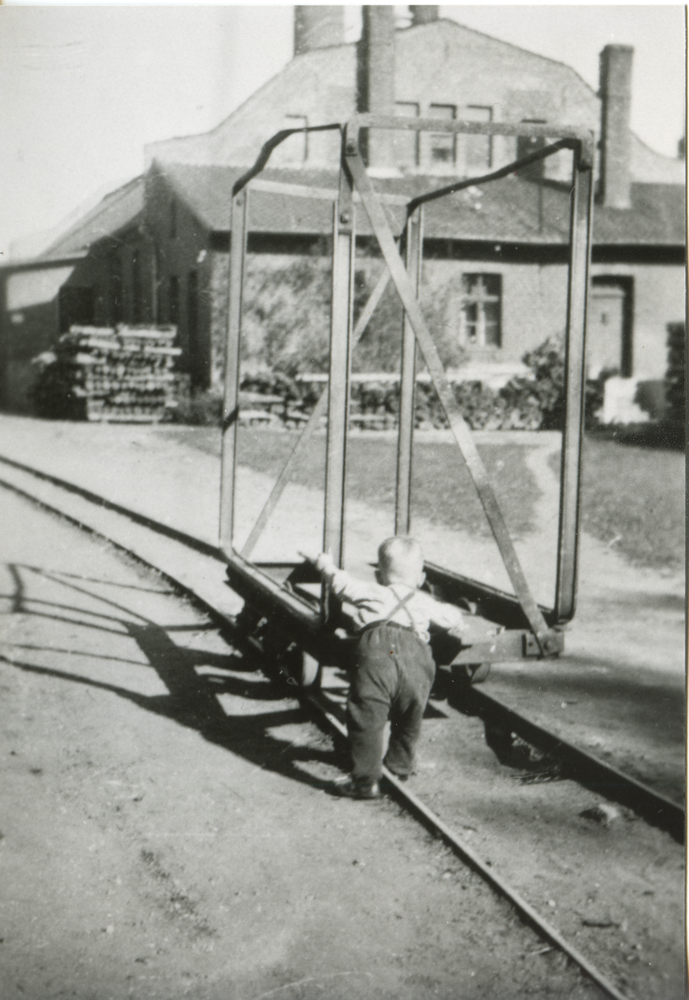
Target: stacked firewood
100	373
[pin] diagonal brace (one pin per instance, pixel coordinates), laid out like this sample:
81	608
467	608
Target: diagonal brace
457	423
319	410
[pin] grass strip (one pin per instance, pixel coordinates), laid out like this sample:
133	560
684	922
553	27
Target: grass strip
442	490
633	499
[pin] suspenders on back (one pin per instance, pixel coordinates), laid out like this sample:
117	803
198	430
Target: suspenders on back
400	604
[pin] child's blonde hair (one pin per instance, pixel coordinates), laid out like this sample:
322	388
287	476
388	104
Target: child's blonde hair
400	560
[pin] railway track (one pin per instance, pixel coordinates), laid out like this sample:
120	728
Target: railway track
164	548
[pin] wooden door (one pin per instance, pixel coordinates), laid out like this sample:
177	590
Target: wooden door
605	329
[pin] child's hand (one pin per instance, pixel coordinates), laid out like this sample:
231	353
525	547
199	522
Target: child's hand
324	563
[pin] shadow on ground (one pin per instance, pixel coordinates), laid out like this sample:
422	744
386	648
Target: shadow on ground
191	699
654	709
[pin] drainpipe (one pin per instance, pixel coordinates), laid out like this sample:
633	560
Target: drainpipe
423	14
615	144
376	80
317	28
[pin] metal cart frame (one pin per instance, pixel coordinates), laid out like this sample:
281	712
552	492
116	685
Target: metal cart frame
530	630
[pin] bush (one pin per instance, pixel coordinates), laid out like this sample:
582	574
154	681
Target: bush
201	409
540	396
527	402
273	384
674	378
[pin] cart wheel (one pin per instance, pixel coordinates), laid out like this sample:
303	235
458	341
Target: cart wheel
247	621
470	673
310	672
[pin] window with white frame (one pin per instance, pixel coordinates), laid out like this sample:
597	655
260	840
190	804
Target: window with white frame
478	149
481	310
443	145
406	143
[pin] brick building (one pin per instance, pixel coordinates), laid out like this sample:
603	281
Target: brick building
96	273
495	255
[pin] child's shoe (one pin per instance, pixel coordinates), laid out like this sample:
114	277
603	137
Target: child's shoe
358	788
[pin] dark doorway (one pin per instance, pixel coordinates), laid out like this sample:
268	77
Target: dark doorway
115	289
77	307
193	318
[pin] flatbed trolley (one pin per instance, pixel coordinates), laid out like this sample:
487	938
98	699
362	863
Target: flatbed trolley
281	601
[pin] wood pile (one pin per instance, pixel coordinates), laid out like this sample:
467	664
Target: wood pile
104	374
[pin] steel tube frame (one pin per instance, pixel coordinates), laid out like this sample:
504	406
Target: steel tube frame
355	186
572	137
240	215
339	372
319	410
574	390
414	259
459	428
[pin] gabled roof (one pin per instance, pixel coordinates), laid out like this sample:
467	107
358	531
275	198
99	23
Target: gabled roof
320	85
116	212
509	211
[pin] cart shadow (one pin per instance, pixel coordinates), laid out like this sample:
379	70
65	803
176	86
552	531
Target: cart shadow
192	698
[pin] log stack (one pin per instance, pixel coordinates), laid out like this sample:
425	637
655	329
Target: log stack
123	374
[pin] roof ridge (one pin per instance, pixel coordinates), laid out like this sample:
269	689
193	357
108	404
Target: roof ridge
501	41
111	198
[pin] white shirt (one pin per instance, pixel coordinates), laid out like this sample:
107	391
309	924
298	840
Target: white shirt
372	602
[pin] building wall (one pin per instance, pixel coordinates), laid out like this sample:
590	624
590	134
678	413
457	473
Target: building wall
479	73
113	284
287	297
183	275
534	308
319	87
29	325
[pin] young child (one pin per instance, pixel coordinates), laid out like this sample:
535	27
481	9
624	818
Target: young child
394	668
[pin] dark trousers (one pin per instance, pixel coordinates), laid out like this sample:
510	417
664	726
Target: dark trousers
392	679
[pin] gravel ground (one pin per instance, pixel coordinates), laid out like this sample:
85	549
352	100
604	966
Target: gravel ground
165	831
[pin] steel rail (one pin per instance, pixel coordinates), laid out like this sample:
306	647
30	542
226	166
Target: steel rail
582	766
495	175
331	712
321	703
197	544
268	147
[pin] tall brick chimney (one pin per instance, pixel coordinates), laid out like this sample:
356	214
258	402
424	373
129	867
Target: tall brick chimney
376	79
423	13
316	27
616	97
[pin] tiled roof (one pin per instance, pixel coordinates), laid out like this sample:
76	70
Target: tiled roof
657	217
511	211
115	212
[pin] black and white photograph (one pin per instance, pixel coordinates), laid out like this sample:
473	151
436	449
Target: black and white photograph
342	502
